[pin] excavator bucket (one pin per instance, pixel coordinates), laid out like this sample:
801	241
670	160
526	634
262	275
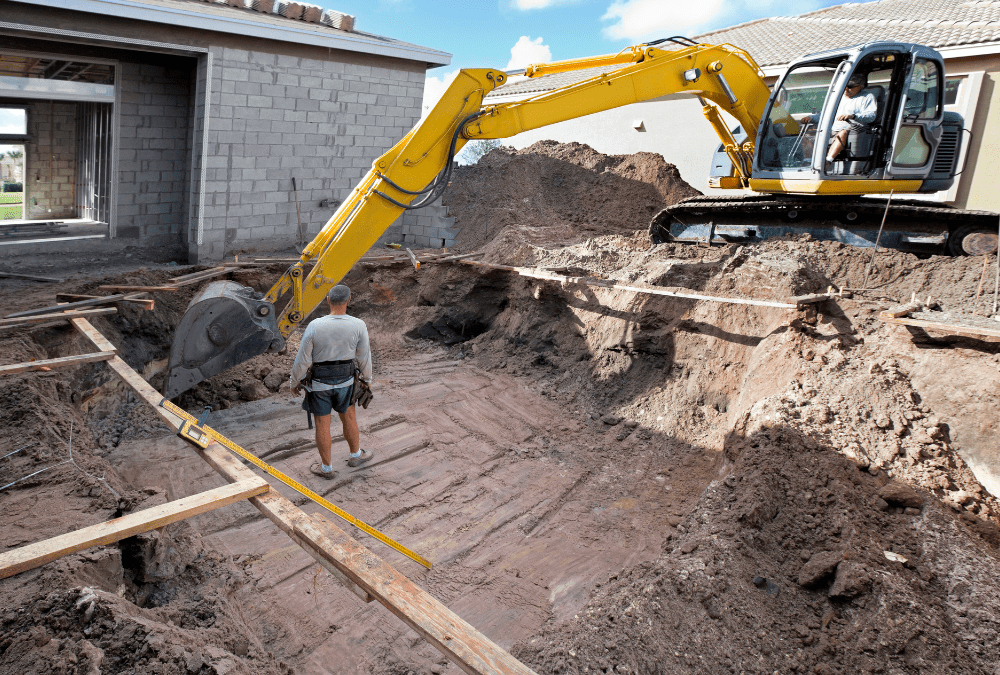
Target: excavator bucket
225	324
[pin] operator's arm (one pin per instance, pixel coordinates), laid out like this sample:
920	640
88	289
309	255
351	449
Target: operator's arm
865	109
363	354
303	359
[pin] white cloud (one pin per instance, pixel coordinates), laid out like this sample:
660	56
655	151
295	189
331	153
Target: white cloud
645	19
434	88
527	52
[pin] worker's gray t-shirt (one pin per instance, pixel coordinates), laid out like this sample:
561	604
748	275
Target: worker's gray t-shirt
335	337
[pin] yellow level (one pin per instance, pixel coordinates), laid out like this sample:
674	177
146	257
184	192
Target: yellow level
205	430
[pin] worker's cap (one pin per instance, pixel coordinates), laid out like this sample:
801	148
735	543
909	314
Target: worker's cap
858	80
339	295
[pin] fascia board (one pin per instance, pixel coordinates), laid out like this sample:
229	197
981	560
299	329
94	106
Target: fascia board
236	25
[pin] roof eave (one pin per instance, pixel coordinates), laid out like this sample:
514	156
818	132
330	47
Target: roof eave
237	25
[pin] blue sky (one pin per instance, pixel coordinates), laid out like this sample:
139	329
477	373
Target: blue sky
512	33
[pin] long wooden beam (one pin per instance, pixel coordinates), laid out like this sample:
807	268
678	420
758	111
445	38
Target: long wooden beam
145	303
58	315
601	283
465	646
361	571
46	364
135	289
942	326
70	305
35	555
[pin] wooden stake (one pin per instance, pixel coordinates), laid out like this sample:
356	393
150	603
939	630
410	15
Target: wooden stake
35	555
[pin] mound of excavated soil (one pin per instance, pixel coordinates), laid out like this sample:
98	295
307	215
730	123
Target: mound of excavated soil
555	192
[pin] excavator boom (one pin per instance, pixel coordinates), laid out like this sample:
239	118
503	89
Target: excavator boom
227	324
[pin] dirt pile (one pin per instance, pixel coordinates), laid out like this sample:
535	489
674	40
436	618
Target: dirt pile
553	192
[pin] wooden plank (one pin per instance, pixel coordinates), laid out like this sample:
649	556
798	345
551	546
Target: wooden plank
95	337
947	327
600	283
64	315
465	646
188	279
30	277
277	508
144	289
145	303
70	305
35	555
812	298
900	310
48	364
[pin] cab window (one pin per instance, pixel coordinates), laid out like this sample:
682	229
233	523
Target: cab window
923	92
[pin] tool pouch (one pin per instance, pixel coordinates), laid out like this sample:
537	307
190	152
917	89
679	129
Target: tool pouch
331	372
362	392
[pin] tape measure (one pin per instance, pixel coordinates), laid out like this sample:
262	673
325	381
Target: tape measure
202	435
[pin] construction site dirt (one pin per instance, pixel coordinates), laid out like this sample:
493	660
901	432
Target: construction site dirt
605	481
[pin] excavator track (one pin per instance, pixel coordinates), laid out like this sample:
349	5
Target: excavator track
910	224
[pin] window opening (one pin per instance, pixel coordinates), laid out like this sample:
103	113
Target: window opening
13	126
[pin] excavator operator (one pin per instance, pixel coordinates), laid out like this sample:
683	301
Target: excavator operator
855	111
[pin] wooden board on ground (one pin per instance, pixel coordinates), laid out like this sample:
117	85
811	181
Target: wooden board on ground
465	646
70	305
145	303
948	323
35	555
58	316
48	364
30	277
144	289
601	283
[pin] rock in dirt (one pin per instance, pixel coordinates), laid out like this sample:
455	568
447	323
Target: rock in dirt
274	380
254	391
819	566
852	579
900	494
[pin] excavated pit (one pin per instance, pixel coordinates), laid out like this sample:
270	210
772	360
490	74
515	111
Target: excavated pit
613	482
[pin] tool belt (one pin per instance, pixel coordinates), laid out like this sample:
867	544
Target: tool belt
331	372
362	394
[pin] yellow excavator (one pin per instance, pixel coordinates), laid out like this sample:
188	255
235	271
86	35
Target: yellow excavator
777	152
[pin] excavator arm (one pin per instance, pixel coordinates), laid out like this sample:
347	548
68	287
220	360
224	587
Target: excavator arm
227	324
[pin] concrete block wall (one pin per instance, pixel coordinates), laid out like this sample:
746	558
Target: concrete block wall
51	160
274	117
157	108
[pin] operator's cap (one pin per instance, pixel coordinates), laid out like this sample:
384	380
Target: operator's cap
339	295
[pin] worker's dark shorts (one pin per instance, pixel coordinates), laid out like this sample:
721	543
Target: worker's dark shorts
322	402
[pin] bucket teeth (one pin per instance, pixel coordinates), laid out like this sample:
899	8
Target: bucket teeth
224	325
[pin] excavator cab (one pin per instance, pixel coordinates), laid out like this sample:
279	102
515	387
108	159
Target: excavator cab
910	144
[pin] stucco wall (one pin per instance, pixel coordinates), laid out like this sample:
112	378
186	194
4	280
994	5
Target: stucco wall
977	183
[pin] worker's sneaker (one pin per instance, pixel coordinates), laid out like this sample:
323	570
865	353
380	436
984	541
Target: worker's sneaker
360	459
317	469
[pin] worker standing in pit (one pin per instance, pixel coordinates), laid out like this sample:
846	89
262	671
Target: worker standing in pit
330	348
